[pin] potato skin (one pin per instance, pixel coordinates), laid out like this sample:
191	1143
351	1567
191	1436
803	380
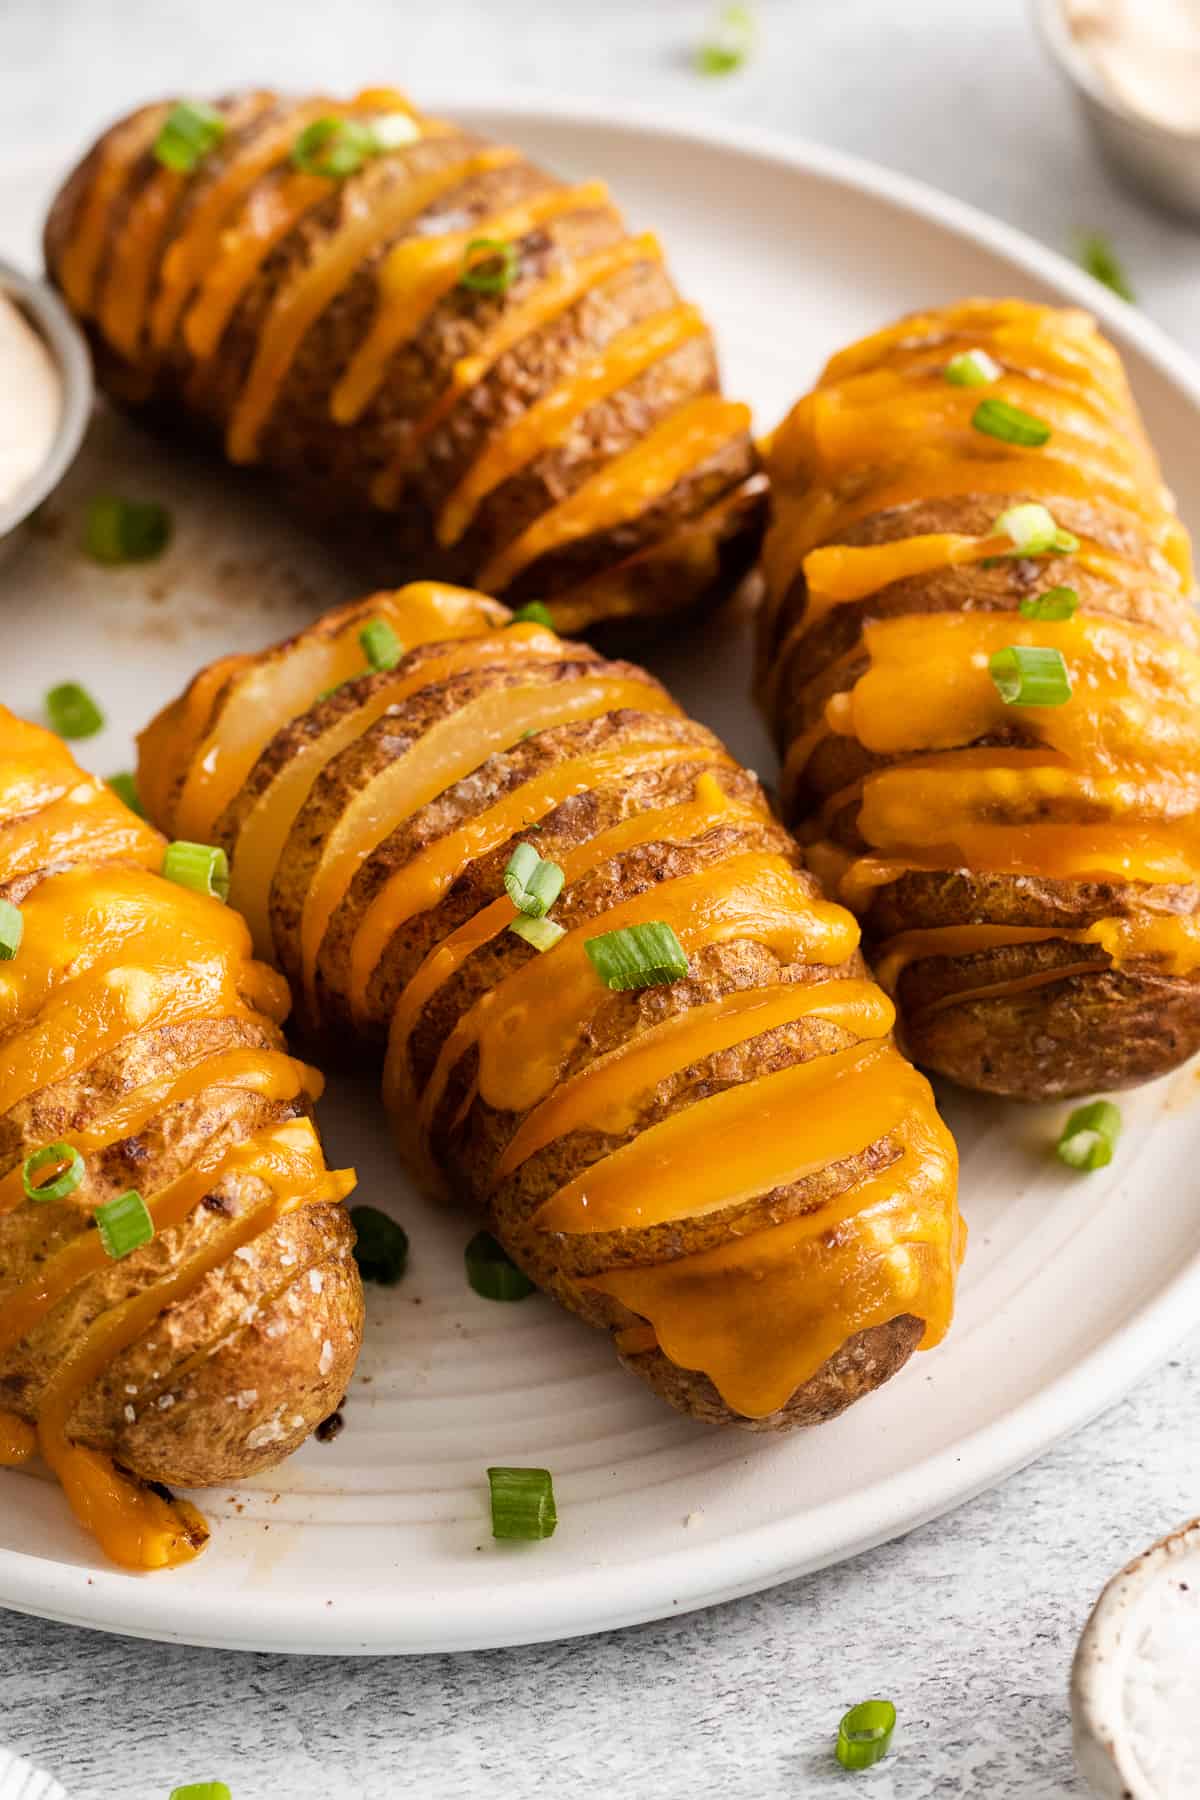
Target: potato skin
1067	1022
236	1373
467	1135
688	547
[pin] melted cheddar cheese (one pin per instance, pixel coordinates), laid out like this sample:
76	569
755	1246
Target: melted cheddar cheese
1105	785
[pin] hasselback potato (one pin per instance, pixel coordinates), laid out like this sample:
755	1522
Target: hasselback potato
179	1301
731	1170
980	658
400	318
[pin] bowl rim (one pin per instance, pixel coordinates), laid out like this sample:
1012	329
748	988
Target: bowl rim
1050	19
68	346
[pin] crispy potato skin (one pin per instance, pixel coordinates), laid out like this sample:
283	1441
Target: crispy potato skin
1062	1021
689	546
235	1374
466	1135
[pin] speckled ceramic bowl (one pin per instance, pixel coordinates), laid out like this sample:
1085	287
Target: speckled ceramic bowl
50	318
1142	1637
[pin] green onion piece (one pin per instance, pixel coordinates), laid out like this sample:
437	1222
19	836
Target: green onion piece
64	1183
125	788
202	1790
532	882
333	147
124	1224
492	1273
203	867
1011	424
1034	530
382	1248
12	930
730	44
543	934
1090	1136
125	531
1055	603
637	956
1030	675
865	1734
191	131
394	130
1101	261
533	613
381	647
972	368
522	1504
489	266
72	712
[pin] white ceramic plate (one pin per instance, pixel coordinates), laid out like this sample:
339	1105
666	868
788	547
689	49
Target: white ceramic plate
1072	1287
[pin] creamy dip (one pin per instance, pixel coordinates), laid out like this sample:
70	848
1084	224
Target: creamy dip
1161	1699
30	401
1146	52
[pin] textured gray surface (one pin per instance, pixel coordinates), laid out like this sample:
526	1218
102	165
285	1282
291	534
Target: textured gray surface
969	1623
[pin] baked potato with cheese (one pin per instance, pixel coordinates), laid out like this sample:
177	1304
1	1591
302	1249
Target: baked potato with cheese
980	657
179	1301
405	322
729	1169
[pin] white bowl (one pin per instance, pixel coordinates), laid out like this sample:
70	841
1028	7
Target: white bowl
19	1780
1140	1646
68	346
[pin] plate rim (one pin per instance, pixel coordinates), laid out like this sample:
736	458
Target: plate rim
550	1607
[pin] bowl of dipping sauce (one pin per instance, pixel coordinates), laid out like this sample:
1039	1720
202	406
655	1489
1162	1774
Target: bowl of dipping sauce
1134	66
46	380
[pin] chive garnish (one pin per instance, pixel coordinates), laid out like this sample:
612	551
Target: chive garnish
125	531
382	1248
1090	1135
730	44
865	1734
1011	424
972	368
12	930
69	1176
532	882
533	613
1034	531
202	867
1101	261
1030	675
380	645
489	266
491	1271
192	130
202	1790
543	934
124	1224
1055	603
72	712
522	1504
333	147
637	956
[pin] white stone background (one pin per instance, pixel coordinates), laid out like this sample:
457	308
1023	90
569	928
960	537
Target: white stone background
969	1623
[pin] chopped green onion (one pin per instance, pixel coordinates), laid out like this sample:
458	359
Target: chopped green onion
394	130
489	266
637	956
202	1790
865	1734
1090	1136
203	867
333	147
125	788
12	930
125	531
492	1273
382	1248
1011	424
1101	261
1055	603
62	1184
972	368
522	1503
532	882
124	1224
1034	530
543	934
72	712
533	613
380	645
191	131
1030	675
730	44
